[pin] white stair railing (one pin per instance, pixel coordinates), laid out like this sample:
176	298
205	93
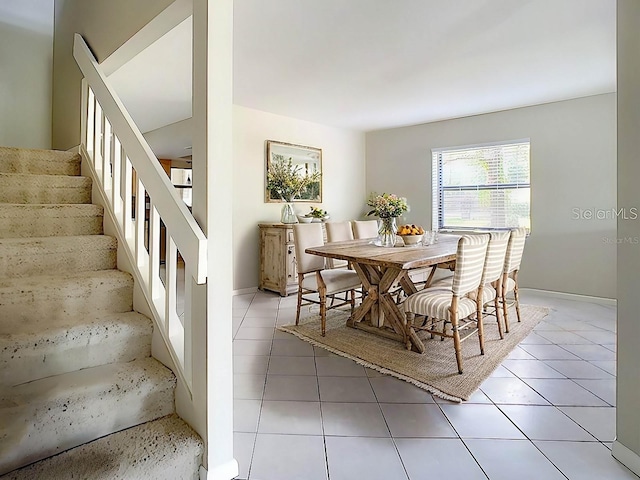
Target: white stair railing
139	197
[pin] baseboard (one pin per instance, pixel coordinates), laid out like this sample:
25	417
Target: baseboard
628	458
244	291
226	471
610	302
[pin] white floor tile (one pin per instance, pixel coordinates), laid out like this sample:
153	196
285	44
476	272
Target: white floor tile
551	352
288	457
292	366
352	458
531	369
252	364
246	414
295	418
599	421
585	461
353	420
564	392
345	389
416	420
292	347
338	367
243	444
512	459
545	423
302	388
426	458
248	387
578	369
481	421
511	391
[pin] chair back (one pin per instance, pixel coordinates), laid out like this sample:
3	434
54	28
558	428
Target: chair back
365	229
515	248
339	231
470	256
307	235
494	261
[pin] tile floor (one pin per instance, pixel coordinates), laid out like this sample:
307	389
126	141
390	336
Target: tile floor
548	412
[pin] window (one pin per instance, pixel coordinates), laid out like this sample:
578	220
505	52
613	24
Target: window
482	187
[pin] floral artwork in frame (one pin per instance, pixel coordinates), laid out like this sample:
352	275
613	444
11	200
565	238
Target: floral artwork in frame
293	173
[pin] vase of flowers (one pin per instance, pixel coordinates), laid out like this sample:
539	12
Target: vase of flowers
387	207
287	181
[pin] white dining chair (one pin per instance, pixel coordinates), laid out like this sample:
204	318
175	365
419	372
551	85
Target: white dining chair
365	229
338	232
316	283
452	305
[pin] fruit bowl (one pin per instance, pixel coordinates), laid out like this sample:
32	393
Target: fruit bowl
411	239
304	219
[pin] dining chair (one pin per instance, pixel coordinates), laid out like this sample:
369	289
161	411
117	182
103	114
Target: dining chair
491	278
365	229
316	283
512	260
338	232
452	306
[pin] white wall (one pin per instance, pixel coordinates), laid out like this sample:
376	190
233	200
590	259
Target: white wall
26	65
573	165
343	170
626	448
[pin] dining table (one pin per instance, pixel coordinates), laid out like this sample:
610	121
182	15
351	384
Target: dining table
384	269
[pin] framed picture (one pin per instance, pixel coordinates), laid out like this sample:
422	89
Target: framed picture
304	161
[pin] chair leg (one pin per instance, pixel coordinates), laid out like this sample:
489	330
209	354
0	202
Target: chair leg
515	295
497	307
505	315
299	301
456	341
480	330
323	309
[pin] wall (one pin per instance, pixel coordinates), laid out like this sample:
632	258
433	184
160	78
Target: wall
573	165
626	448
26	59
343	171
105	25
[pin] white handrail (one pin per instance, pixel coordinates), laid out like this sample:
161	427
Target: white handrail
186	233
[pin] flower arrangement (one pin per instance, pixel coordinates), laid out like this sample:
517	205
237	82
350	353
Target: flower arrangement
317	213
387	205
287	180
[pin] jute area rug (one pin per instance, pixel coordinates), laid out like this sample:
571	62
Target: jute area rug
435	370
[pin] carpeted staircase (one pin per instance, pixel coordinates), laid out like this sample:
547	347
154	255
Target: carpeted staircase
80	394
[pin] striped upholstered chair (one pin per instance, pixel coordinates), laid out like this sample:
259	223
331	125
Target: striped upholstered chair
512	261
452	305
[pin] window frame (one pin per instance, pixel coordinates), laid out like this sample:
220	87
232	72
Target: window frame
438	189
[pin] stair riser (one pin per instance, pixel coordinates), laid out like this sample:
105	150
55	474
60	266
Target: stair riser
39	162
20	221
165	449
42	256
44	189
28	357
72	415
66	298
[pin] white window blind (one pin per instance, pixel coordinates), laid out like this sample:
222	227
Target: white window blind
484	187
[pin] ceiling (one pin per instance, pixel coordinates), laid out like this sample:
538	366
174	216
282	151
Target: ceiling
373	64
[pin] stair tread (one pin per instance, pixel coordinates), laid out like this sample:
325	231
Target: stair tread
53	414
28	160
144	451
103	378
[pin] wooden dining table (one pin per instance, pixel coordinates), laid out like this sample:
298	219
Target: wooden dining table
382	268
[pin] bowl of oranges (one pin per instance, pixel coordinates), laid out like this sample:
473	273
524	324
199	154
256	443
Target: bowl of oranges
411	234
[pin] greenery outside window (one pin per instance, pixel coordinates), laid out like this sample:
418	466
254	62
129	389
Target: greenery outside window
482	187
